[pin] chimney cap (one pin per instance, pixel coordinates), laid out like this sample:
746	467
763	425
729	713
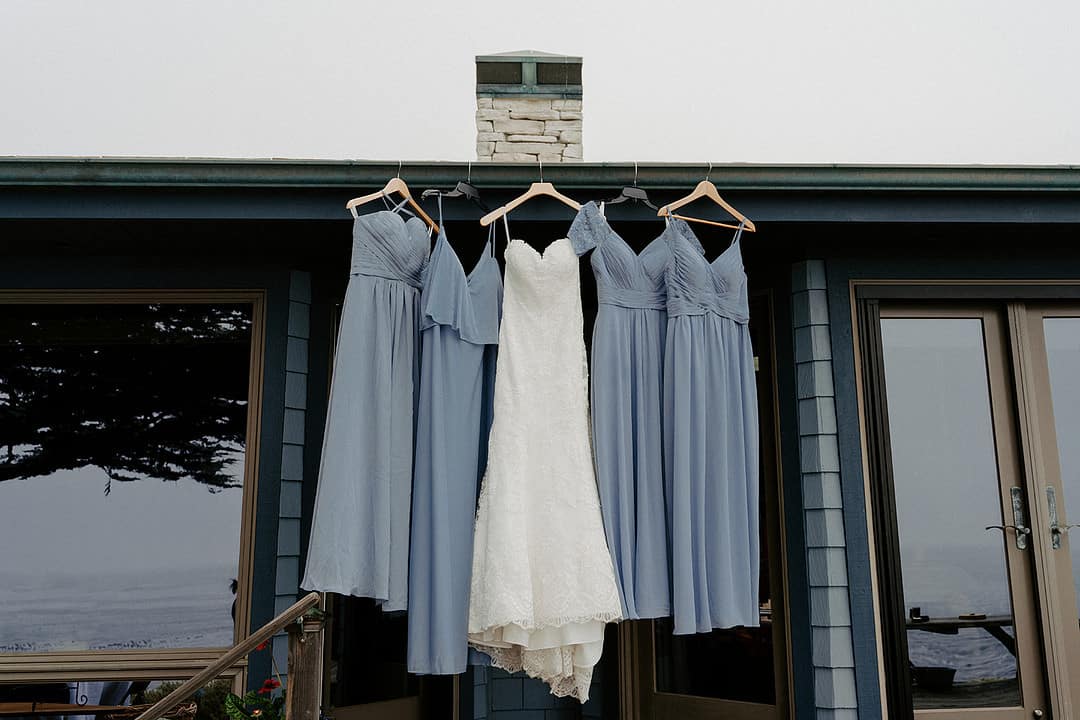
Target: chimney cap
529	73
518	55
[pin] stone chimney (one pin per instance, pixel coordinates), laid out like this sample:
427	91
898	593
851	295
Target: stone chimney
528	107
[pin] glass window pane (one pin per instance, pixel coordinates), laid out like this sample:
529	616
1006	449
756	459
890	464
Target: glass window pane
956	586
1063	356
734	664
122	430
367	654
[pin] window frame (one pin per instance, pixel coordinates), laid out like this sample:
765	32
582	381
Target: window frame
866	297
164	663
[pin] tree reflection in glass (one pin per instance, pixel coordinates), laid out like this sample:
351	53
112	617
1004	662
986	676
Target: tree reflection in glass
122	432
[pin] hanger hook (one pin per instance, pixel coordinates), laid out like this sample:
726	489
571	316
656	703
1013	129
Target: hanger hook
635	173
541	169
399	169
708	172
469	173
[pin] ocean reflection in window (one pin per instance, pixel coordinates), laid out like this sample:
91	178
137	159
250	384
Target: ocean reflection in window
122	438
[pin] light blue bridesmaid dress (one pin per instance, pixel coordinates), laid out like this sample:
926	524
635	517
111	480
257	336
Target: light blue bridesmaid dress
359	543
710	438
459	338
627	423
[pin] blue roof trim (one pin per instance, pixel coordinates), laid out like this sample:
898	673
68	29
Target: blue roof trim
213	172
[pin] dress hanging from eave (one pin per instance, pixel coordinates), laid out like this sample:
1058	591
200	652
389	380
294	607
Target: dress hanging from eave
359	543
459	335
710	438
627	408
543	586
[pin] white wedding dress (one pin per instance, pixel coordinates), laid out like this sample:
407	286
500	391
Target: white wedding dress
543	584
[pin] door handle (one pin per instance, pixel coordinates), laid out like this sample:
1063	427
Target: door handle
1018	527
1056	530
1021	533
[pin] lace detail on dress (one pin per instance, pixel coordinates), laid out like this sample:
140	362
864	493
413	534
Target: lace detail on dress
543	584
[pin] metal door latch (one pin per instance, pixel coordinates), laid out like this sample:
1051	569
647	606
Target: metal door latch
1056	530
1018	526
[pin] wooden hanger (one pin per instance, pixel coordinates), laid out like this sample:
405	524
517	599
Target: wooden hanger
394	185
706	189
535	190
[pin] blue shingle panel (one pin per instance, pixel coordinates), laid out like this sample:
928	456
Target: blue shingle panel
292	462
288	537
825	528
817	416
812	342
814	379
833	647
296	355
837	714
808	275
819	465
290	500
283	603
299	320
822	490
536	695
294	426
279	646
819	453
835	688
287	577
826	567
300	286
829	607
506	693
296	390
517	715
810	307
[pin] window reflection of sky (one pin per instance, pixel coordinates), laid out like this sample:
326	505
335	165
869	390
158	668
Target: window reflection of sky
1063	353
946	483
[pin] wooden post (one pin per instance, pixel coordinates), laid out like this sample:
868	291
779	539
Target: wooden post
303	696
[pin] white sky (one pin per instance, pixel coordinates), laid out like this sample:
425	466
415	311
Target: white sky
913	82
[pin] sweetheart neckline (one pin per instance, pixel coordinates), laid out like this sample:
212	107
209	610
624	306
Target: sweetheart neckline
541	254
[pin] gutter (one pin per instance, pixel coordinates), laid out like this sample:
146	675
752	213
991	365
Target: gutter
313	174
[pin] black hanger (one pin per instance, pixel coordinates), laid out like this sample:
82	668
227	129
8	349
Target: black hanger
464	189
633	193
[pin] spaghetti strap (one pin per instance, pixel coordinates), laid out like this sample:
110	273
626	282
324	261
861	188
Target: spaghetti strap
489	246
738	233
400	207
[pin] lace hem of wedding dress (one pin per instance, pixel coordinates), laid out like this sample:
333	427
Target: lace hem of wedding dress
562	654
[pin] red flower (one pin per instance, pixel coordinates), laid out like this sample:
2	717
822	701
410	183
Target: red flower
262	645
269	686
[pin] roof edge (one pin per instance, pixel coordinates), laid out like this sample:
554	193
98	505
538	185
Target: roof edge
300	173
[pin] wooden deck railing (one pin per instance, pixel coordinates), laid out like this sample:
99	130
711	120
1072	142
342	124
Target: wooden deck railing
304	671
